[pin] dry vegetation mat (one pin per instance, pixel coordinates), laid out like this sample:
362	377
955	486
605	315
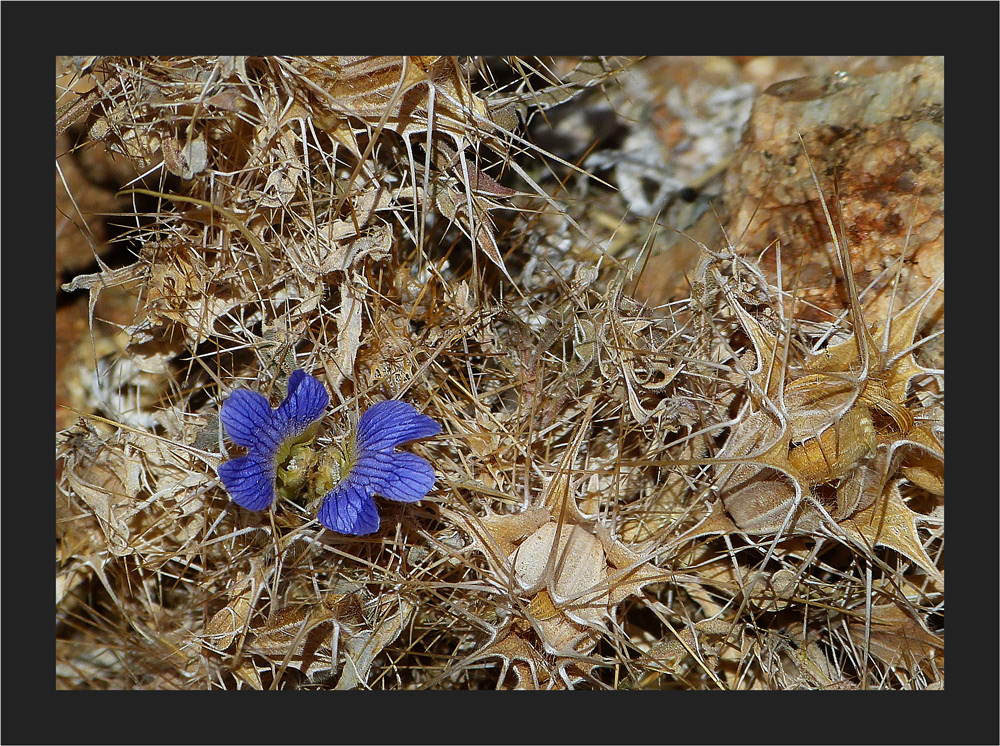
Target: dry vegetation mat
669	336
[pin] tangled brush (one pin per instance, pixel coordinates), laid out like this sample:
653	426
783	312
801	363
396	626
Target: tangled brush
741	487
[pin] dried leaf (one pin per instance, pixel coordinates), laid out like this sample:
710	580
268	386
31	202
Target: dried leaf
889	522
300	636
185	161
348	332
234	618
362	650
108	487
897	638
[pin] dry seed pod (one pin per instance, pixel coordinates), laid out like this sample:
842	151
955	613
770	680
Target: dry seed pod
837	449
761	503
832	421
563	575
580	565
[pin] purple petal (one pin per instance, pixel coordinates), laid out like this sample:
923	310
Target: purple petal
246	416
372	471
408	479
306	402
389	423
349	509
249	480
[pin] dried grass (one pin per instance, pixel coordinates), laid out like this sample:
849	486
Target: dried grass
707	494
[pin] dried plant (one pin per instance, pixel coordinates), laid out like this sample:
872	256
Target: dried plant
713	493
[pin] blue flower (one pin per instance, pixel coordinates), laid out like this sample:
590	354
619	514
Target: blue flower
371	465
268	435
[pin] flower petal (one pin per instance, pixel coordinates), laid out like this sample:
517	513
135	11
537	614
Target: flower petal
306	402
249	480
246	416
372	471
349	509
389	423
408	479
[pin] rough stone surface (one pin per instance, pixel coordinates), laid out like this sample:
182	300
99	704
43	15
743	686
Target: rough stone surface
881	140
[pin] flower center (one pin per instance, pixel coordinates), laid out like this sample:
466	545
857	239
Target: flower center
294	461
334	463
